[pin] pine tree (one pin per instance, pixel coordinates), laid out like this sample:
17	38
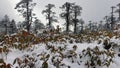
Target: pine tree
50	15
37	25
118	11
13	26
25	7
6	21
107	24
90	25
112	18
76	12
81	22
67	10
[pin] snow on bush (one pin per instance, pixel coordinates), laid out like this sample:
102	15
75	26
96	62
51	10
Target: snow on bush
24	50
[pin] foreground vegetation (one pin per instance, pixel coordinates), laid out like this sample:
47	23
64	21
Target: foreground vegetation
54	50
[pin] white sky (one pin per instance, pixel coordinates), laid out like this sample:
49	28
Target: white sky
92	9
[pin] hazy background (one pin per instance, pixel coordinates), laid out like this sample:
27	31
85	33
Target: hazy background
92	9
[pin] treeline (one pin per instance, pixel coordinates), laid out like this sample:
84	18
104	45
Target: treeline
71	13
7	26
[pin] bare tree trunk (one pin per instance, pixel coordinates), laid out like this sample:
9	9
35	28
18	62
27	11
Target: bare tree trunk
67	24
49	20
81	28
119	12
67	17
75	27
75	23
28	17
112	19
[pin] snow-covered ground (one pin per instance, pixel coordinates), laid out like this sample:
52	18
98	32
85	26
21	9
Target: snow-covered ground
62	55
